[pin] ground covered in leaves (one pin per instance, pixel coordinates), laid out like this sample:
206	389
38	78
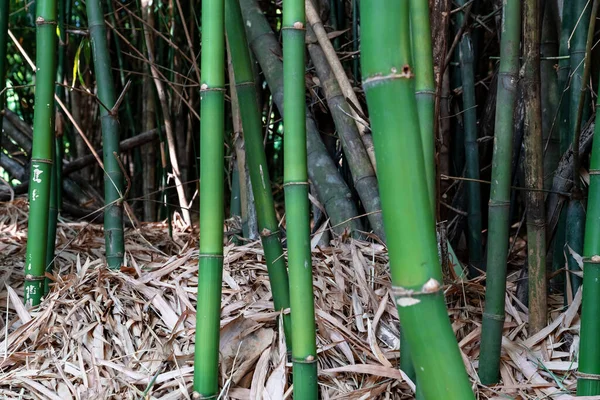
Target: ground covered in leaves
130	334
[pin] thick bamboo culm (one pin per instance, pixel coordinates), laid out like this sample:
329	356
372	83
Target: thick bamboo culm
410	229
210	272
42	152
295	178
499	205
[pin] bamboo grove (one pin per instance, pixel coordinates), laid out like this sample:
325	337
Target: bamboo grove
458	135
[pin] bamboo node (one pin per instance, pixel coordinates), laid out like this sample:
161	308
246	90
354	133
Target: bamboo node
41	21
406	297
30	277
310	359
584	375
198	396
595	259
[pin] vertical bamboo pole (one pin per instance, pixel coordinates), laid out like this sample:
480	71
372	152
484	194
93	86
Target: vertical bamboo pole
41	153
408	219
257	161
4	8
113	176
534	176
295	176
212	92
471	149
495	284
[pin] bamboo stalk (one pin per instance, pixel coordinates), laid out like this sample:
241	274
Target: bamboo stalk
576	209
564	68
499	205
534	177
257	162
588	383
424	88
113	175
295	177
408	219
4	13
471	149
41	154
212	92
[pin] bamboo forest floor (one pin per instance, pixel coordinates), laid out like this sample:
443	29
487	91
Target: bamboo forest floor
130	334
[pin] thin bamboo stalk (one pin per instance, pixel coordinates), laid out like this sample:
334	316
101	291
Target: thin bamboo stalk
588	383
579	109
41	155
113	175
4	13
212	93
471	150
576	210
408	219
297	205
56	182
499	205
534	176
257	161
564	68
424	88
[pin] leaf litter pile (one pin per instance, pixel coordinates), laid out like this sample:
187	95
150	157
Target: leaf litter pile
129	334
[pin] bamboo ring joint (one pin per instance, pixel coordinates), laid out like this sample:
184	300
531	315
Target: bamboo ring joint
591	377
494	317
41	21
595	259
408	297
308	360
198	396
294	183
594	172
217	256
34	278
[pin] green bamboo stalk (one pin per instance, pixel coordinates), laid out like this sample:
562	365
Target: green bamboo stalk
471	149
42	151
424	88
257	161
212	92
581	43
564	69
297	205
589	348
56	179
113	176
408	219
4	12
499	205
425	100
576	209
534	177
